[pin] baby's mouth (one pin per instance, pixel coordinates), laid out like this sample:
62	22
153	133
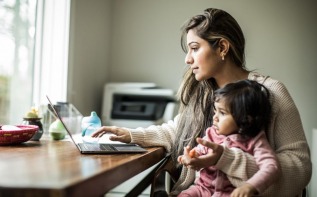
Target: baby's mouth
215	127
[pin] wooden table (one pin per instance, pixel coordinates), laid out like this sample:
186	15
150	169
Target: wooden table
56	168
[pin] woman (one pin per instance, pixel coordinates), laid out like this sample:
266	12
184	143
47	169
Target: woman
215	46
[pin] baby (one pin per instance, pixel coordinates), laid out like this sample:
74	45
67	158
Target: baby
241	116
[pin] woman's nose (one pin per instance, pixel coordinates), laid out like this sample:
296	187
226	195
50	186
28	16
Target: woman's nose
188	59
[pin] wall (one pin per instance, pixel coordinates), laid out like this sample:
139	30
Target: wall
90	35
139	41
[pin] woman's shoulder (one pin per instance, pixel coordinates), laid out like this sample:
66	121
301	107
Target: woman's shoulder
272	84
279	94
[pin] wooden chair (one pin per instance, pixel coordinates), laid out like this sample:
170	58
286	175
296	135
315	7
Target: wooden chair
165	177
154	178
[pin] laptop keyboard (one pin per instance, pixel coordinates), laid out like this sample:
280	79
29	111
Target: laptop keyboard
97	147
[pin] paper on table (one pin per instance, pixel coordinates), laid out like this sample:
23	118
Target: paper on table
102	140
105	139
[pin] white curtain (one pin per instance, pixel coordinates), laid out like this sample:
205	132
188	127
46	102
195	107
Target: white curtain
51	55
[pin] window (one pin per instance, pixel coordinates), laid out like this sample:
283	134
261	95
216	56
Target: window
17	37
34	55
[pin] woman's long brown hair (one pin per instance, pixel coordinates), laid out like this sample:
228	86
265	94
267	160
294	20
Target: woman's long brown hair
196	109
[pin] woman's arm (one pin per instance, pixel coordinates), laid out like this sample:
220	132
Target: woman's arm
288	139
155	135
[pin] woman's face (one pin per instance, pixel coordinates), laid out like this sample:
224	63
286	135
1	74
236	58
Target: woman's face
204	61
223	121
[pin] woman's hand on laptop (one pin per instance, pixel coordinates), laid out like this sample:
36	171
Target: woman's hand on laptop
120	134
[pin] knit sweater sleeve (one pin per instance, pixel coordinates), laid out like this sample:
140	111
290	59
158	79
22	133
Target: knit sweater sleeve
155	135
287	138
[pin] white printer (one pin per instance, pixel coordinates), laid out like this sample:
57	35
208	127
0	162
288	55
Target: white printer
135	105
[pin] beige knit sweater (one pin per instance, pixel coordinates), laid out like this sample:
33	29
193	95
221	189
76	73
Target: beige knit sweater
285	134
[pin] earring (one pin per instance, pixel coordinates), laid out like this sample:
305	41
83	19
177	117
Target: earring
223	56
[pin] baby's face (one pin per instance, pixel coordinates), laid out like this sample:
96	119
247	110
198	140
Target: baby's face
223	120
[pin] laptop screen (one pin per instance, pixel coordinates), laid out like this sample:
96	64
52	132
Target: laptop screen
60	118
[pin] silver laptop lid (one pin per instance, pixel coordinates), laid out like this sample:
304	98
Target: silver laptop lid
60	118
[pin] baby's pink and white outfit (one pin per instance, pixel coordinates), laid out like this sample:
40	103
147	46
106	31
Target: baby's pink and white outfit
213	182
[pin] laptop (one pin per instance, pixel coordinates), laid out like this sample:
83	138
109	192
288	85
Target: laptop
99	148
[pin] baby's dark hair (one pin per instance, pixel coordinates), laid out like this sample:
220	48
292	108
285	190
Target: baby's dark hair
248	102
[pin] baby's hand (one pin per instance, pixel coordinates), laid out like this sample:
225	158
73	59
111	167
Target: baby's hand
193	153
189	152
244	190
179	159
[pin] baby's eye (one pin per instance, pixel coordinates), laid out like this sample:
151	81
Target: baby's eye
222	113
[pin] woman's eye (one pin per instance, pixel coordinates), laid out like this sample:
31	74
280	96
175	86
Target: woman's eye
195	49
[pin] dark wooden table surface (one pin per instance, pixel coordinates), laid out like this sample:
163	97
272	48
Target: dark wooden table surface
56	168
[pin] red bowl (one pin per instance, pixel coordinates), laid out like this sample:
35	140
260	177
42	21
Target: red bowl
9	137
